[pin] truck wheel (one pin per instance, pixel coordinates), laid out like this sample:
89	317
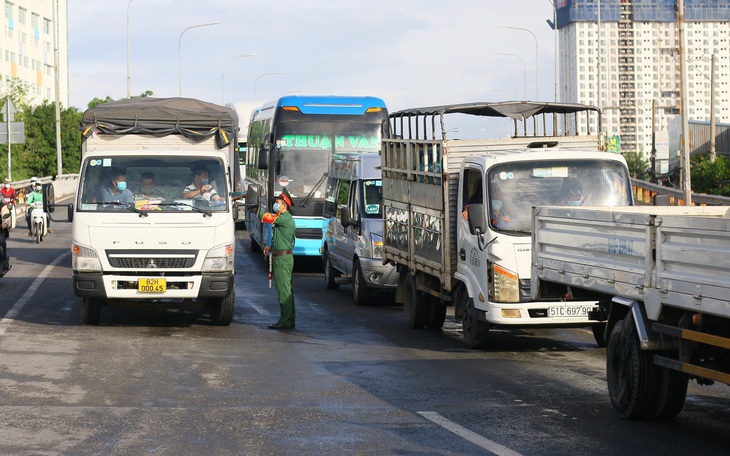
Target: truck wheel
633	378
360	291
221	309
436	314
599	333
475	331
414	307
672	393
330	273
90	310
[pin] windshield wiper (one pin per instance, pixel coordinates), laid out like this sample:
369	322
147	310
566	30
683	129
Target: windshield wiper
306	199
196	209
126	206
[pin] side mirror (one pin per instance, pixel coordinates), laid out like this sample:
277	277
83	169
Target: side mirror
49	198
345	217
263	157
477	219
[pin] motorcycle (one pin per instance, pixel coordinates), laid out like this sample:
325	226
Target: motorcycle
7	202
4	267
38	222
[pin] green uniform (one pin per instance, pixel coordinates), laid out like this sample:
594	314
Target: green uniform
283	267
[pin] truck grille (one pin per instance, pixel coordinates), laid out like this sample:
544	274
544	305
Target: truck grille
147	260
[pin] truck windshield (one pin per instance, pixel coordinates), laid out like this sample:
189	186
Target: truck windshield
372	196
514	188
159	184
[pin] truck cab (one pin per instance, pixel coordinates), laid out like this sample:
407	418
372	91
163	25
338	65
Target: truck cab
352	245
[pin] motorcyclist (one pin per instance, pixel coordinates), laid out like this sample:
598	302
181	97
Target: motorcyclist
31	188
4	234
8	193
34	197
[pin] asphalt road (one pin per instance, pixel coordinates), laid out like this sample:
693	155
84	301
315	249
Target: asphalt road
347	380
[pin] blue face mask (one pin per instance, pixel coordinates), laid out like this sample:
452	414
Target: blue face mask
496	204
121	186
204	181
276	207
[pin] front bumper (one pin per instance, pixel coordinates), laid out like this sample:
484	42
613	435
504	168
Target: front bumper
378	275
120	286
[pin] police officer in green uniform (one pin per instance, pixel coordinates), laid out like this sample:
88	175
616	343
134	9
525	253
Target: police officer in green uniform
282	243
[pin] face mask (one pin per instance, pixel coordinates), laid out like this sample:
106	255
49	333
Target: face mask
121	186
7	185
574	203
496	204
38	189
276	207
204	181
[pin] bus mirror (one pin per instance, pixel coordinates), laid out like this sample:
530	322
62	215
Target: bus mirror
263	157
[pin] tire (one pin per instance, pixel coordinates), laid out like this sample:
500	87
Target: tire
37	233
330	273
638	388
599	333
253	246
475	331
361	293
90	310
436	314
221	310
414	308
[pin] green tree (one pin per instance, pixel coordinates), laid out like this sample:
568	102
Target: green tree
712	178
638	165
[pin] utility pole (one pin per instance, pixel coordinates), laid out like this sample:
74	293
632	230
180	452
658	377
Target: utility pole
686	178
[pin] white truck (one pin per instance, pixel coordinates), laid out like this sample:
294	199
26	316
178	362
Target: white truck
156	243
662	275
482	265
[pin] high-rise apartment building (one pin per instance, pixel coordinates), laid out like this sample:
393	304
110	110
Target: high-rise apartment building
637	45
27	48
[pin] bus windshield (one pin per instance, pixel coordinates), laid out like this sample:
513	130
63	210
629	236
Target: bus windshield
514	188
304	151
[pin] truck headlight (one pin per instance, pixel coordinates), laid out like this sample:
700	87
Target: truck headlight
219	259
505	285
84	259
376	243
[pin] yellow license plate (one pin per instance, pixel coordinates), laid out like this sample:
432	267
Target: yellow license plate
152	285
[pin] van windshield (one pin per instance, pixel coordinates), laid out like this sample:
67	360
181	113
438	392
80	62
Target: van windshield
372	196
159	184
514	188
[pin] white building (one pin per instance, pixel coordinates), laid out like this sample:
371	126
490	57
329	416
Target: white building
27	48
639	55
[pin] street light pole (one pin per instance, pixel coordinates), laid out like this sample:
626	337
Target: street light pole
223	72
524	70
129	77
537	58
56	76
555	29
179	46
261	76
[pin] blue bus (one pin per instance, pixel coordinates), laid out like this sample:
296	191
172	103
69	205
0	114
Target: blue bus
290	144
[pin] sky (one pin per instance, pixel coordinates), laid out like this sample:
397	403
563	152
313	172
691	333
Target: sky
410	53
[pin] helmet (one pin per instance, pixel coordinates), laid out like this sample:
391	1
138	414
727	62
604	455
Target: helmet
7	181
33	179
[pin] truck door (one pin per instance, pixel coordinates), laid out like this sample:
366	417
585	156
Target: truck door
472	262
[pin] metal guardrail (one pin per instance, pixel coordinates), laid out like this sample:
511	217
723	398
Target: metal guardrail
644	192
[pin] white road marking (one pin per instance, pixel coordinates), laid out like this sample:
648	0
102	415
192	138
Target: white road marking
20	303
468	435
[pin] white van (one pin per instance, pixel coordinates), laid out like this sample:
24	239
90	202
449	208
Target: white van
353	242
170	244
